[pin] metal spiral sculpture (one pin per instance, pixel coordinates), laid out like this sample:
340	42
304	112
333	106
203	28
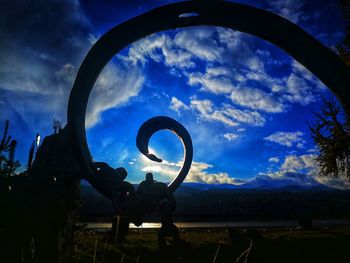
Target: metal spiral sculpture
321	61
158	123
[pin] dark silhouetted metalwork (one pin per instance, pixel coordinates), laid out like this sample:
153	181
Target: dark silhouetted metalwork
320	60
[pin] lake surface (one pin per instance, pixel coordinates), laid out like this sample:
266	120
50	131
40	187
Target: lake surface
292	223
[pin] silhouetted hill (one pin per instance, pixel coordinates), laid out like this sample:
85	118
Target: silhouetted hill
204	202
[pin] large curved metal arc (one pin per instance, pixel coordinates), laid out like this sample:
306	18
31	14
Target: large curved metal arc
159	123
321	61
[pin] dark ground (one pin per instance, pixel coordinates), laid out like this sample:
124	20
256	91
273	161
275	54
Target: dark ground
201	245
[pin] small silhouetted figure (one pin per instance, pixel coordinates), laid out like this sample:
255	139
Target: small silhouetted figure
146	184
147	194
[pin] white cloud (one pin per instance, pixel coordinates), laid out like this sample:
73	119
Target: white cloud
160	48
44	72
290	9
216	80
226	114
256	99
219	71
238	49
300	70
231	136
229	38
288	139
211	83
260	76
20	75
252	118
200	42
146	48
115	86
301	86
208	44
206	111
48	37
274	160
215	45
300	170
313	150
198	173
40	66
294	163
177	104
304	168
298	90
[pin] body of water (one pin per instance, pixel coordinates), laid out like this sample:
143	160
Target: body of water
292	223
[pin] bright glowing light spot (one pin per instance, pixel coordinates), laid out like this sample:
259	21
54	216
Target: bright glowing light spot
37	141
188	14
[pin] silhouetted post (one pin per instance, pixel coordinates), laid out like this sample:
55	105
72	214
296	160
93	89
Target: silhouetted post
11	161
120	228
95	250
5	140
30	156
114	230
57	126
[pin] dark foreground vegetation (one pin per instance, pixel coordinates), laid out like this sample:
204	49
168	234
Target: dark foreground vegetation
219	245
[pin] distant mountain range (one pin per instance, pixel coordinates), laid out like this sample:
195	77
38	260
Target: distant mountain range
287	182
289	196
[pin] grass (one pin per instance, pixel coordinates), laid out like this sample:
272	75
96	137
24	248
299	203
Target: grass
218	245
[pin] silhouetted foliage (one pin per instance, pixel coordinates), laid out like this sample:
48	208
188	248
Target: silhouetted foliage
331	133
8	165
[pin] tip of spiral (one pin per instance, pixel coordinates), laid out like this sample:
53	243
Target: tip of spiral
152	157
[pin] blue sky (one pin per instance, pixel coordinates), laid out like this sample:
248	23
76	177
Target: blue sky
245	102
